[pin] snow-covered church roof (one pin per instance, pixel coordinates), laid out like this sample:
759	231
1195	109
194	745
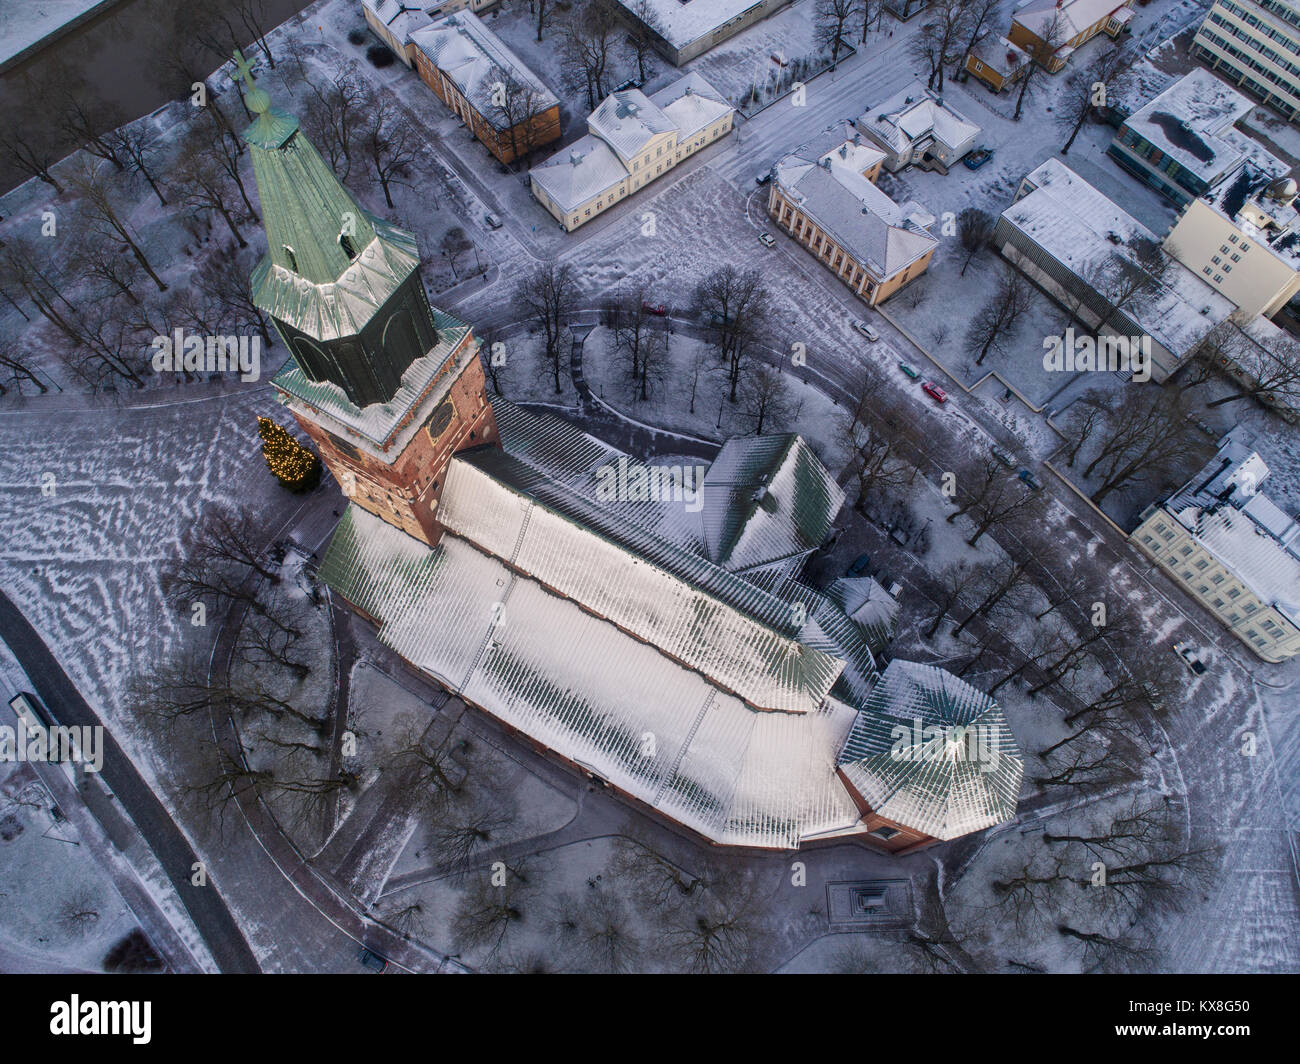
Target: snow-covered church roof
930	751
721	700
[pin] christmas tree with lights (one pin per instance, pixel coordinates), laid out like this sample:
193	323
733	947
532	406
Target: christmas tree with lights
297	468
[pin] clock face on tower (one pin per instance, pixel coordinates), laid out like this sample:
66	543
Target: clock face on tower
441	420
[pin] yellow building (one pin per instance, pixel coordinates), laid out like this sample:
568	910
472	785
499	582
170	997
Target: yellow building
632	140
393	21
1233	549
1066	25
1241	238
826	198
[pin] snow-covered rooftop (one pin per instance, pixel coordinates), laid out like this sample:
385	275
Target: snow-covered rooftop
1072	17
401	19
476	60
913	113
1084	231
930	751
1264	204
680	22
1192	123
832	190
1000	54
1224	508
620	128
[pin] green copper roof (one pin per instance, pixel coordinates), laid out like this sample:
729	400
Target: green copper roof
307	212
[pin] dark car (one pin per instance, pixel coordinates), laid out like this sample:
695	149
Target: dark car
1030	479
977	158
372	961
860	565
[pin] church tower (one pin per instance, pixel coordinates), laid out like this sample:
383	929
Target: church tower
387	386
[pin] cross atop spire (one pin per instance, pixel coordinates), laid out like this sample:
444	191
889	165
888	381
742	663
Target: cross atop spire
257	98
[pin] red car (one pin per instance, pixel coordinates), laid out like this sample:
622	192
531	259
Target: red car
654	308
934	392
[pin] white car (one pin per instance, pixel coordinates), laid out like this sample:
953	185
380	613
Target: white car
867	331
767	240
492	221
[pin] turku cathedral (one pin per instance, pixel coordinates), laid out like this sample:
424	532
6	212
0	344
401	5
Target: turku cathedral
668	651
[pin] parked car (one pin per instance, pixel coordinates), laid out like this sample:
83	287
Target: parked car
447	173
767	240
372	960
1003	457
866	330
934	392
977	157
763	177
658	309
1190	658
911	371
1030	479
860	565
492	221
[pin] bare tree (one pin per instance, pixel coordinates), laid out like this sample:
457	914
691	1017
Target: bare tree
137	144
104	215
518	106
643	29
997	318
388	141
832	25
1042	56
974	230
334	117
17	367
953	584
589	35
1089	88
547	296
201	183
735	304
939	41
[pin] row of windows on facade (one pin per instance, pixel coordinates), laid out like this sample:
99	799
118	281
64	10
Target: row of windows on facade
1215	580
835	256
1253	64
1252	19
1259	46
682	150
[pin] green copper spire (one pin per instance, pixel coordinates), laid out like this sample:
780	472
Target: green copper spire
342	285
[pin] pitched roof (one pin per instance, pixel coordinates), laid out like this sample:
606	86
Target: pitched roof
400	18
627	121
933	753
1074	16
767	498
913	113
863	220
616	706
476	60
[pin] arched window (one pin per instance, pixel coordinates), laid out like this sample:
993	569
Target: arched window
348	246
293	257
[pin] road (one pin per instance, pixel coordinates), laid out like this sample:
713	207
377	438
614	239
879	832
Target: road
205	905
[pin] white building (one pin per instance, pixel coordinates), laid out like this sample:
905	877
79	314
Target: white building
632	139
1068	237
1233	548
1255	43
916	125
